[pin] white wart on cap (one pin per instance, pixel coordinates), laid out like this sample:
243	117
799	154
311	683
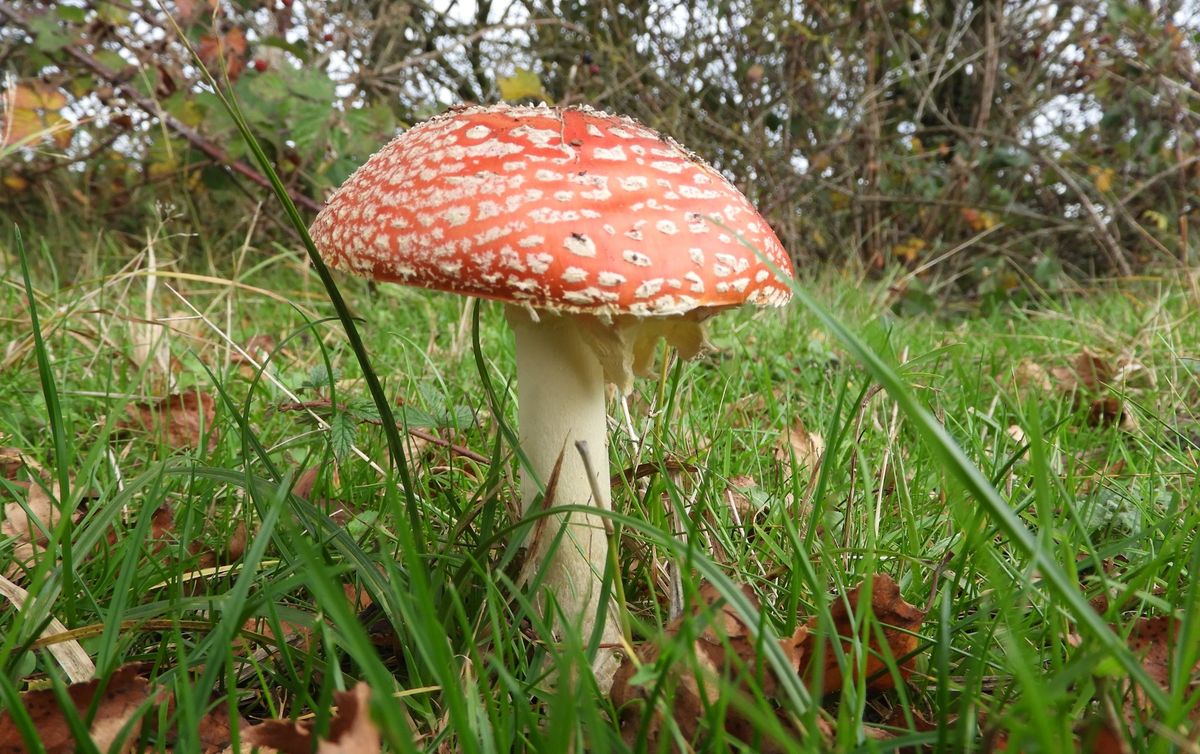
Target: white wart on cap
565	210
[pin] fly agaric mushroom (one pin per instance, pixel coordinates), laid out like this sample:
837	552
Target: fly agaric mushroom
601	236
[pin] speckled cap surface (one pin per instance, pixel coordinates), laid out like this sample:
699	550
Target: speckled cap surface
566	210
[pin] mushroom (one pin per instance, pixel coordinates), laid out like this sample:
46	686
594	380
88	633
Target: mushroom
601	236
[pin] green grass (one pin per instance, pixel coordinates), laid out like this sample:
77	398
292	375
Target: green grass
1004	544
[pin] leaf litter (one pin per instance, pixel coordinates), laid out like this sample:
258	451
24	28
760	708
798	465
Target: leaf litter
180	420
727	648
128	696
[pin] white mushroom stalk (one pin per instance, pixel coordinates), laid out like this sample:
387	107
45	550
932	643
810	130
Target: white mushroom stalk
603	236
560	384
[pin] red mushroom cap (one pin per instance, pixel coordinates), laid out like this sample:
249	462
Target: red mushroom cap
567	210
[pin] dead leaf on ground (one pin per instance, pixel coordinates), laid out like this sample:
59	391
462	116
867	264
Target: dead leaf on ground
724	649
1086	381
1098	735
805	447
181	420
11	461
259	348
215	730
738	491
1155	641
350	732
900	622
226	553
124	691
27	527
1029	376
1109	412
1088	372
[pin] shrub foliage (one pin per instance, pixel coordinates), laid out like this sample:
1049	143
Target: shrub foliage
999	138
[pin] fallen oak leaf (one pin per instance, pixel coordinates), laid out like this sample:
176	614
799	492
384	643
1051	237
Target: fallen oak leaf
899	621
26	525
1098	735
801	446
1155	641
182	420
350	731
11	462
215	730
724	648
1031	377
1088	373
122	694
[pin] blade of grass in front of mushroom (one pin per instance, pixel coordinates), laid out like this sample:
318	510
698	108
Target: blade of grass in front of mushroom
383	405
411	538
954	460
407	598
60	540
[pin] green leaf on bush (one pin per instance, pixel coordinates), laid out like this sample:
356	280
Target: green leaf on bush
342	429
521	85
48	36
283	44
184	109
71	14
310	127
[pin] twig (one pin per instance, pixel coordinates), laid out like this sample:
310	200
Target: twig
152	108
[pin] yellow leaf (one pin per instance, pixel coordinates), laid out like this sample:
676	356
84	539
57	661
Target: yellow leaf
979	220
1103	178
161	169
16	182
521	85
39	96
1157	218
909	251
31	113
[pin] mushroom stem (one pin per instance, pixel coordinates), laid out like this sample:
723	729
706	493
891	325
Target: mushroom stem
560	386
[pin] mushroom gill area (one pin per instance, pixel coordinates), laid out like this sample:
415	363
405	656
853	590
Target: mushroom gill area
626	345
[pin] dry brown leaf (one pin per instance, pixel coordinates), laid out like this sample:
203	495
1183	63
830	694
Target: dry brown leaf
304	483
1098	735
350	732
1029	376
1154	641
1018	436
725	648
805	447
899	620
1109	412
232	45
1088	373
736	494
124	691
182	420
230	551
215	730
27	527
10	462
259	348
